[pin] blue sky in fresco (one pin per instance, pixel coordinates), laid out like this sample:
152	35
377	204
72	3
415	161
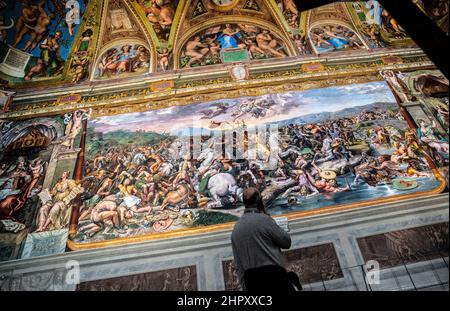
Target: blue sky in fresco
297	104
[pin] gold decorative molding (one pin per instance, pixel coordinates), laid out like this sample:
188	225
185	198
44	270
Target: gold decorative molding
186	92
162	86
68	99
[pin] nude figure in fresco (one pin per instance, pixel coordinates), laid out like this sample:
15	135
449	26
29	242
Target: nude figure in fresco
36	169
104	215
73	128
290	6
163	59
268	44
253	48
160	13
397	84
28	19
39	31
249	29
196	50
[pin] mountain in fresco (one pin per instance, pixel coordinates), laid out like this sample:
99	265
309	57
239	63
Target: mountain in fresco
344	113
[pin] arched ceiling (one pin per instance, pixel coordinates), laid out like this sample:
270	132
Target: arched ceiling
77	42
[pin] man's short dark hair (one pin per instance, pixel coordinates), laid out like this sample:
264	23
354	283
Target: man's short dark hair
252	199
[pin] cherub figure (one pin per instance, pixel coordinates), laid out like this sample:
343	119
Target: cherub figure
163	59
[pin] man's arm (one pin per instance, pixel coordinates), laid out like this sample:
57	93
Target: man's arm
279	236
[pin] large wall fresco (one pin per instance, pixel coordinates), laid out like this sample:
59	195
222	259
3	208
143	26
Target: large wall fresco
184	168
38	39
97	177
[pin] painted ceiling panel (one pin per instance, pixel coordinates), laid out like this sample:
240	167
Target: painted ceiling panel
48	43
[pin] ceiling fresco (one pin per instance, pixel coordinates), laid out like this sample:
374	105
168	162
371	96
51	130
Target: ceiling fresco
67	42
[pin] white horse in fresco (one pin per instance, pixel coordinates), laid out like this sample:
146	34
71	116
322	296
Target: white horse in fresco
220	185
223	185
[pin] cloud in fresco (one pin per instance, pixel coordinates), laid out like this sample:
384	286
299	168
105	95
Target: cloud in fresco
294	105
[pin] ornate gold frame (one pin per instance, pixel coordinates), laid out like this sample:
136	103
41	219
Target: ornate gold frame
211	84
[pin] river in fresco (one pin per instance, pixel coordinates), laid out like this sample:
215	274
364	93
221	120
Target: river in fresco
359	192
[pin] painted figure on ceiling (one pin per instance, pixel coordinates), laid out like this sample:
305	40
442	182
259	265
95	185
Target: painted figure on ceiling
195	50
163	60
73	15
300	43
126	59
437	10
290	12
208	46
377	15
229	38
160	14
44	30
27	20
373	15
86	39
50	60
326	38
38	32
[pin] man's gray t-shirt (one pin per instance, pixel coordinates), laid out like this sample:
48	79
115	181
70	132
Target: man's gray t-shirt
256	242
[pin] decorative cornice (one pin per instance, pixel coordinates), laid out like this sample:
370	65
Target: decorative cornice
191	86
